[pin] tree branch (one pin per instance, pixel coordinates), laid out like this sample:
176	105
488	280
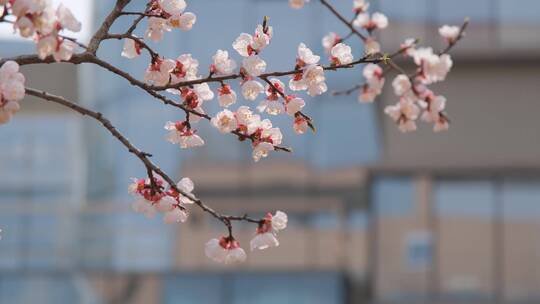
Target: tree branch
343	20
142	156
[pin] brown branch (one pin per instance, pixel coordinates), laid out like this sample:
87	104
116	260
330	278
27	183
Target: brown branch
142	156
103	30
220	79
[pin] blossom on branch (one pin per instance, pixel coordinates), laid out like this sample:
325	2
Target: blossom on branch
374	83
132	48
450	33
225	250
182	134
166	15
341	54
152	198
11	90
377	21
267	231
222	65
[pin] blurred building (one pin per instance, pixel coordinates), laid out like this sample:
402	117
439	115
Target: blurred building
375	216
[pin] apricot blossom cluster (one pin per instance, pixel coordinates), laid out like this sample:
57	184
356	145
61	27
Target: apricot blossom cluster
189	87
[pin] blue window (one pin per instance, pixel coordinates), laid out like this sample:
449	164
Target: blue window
393	196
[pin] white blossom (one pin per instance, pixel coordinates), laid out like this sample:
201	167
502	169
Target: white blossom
185	185
180	134
450	33
254	65
177	215
401	84
360	6
293	105
132	48
251	89
341	54
225	121
261	150
376	21
11	90
330	40
223	65
225	250
67	20
226	96
263	241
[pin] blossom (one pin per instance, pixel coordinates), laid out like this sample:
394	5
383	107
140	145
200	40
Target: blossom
271	106
132	48
262	37
404	114
64	50
144	207
300	124
180	133
177	215
203	91
401	84
152	198
247	45
261	150
341	54
330	40
434	68
297	4
248	123
279	221
372	46
374	83
263	241
185	68
11	90
376	21
184	21
158	72
242	45
254	65
360	6
156	28
226	96
67	20
315	80
293	105
166	204
225	250
173	7
434	105
222	65
25	26
251	89
166	15
267	230
409	46
225	121
186	186
305	56
310	76
450	33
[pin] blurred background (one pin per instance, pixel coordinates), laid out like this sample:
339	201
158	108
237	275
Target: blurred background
375	216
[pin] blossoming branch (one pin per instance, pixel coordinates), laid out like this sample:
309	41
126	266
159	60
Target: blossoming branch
179	83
